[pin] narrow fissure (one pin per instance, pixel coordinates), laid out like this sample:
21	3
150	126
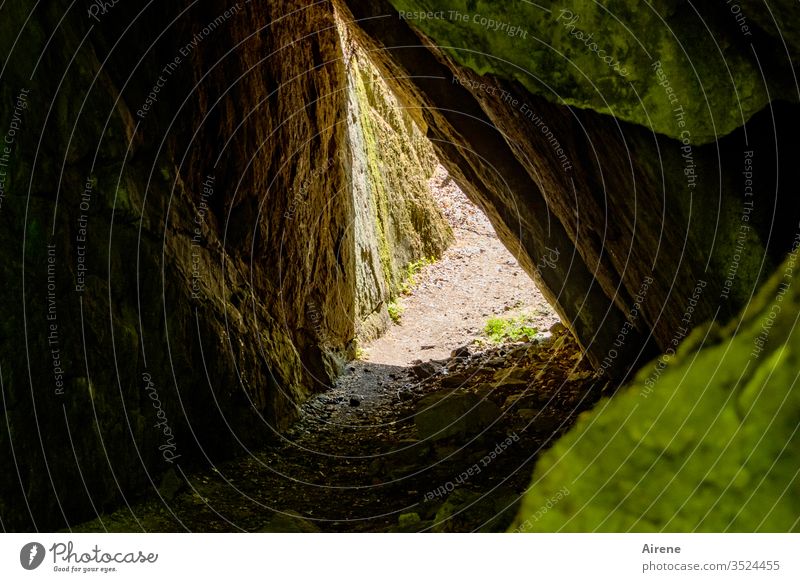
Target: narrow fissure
462	373
365	266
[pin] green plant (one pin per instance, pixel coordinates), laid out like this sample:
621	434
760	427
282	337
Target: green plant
395	311
504	329
410	274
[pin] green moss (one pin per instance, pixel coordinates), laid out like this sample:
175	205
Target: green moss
409	275
509	329
395	311
709	443
379	198
407	519
410	230
558	58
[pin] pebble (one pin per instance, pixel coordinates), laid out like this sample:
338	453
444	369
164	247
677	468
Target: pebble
462	352
424	370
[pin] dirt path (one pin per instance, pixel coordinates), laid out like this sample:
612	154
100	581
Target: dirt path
402	446
477	278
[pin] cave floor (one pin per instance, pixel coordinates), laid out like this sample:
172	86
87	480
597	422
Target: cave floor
377	466
435	428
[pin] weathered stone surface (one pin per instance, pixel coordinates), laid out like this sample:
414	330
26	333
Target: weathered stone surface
408	520
289	522
204	275
217	262
396	220
462	353
706	440
423	370
484	513
515	375
171	485
527	400
555	52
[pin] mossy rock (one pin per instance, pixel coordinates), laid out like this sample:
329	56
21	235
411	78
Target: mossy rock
704	441
602	56
397	223
466	511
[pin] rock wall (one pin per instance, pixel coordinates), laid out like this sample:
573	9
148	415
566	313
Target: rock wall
396	220
618	59
675	210
705	440
184	218
643	205
181	242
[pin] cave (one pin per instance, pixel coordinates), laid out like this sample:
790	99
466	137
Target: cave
208	210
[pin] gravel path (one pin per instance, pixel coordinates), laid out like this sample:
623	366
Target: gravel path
477	278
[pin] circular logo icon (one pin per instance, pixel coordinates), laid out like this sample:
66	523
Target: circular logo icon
31	555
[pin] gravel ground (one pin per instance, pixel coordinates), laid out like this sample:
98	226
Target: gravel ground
477	278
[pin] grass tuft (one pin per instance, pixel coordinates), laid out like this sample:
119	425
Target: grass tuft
395	311
411	272
500	330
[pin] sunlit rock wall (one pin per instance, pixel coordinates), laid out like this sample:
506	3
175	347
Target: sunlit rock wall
396	220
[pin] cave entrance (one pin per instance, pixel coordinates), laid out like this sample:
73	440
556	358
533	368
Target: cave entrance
431	276
474	297
462	378
436	425
462	372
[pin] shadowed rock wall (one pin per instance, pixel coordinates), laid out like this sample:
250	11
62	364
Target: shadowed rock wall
177	266
178	236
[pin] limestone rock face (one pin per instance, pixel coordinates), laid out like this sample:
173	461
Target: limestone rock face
617	58
177	267
396	220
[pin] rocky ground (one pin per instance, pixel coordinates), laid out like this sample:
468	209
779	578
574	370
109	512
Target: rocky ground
445	445
430	430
